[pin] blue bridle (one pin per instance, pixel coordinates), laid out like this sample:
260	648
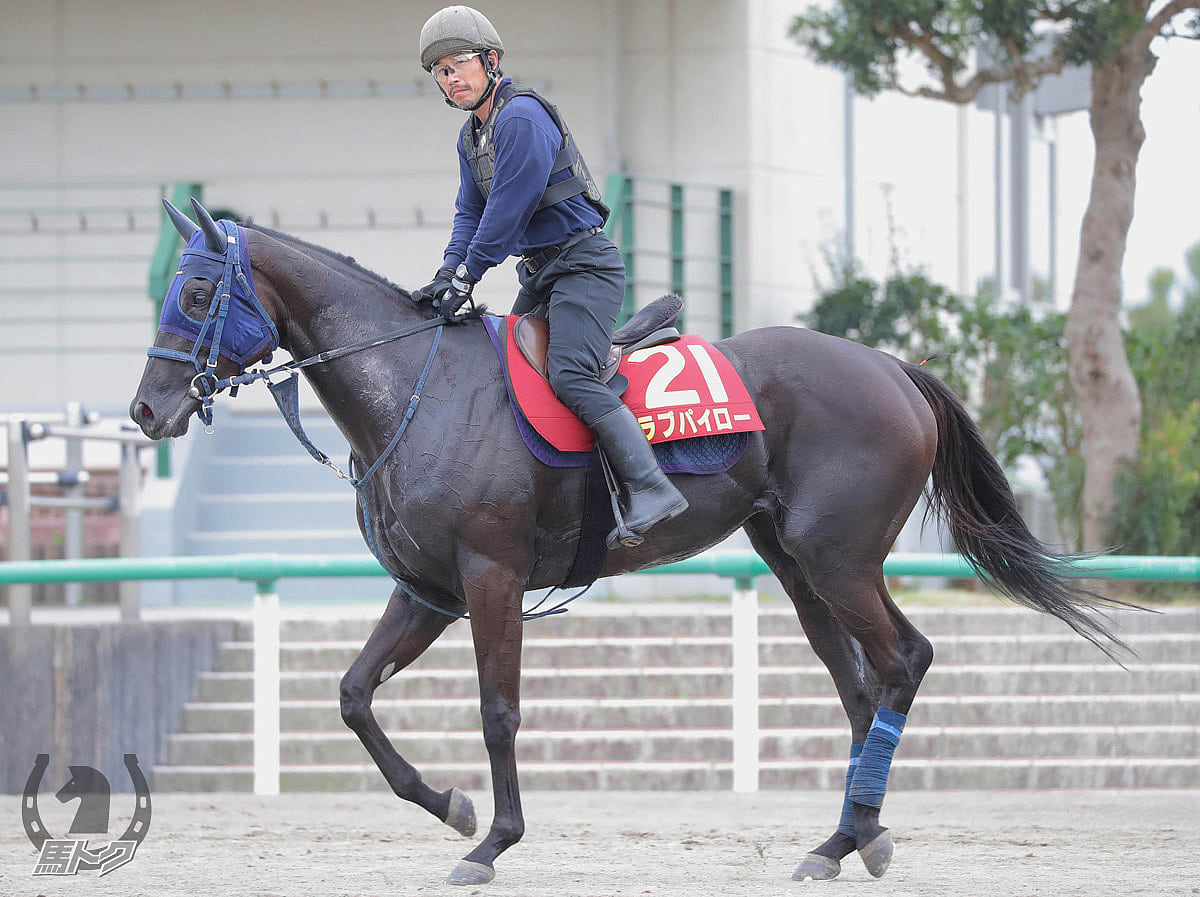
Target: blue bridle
237	325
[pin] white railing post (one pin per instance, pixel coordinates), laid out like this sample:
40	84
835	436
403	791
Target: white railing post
20	595
745	685
129	499
73	525
266	689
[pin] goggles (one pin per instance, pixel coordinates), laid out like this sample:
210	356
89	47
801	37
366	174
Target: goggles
443	71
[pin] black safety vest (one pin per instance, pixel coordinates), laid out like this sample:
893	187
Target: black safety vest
480	151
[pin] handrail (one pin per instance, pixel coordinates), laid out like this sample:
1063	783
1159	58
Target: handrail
266	568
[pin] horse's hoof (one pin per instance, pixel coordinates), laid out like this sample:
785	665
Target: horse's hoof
817	868
470	873
461	815
878	854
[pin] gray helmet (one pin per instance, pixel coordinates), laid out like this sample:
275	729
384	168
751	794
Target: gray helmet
455	29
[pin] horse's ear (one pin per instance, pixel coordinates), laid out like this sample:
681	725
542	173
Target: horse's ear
214	237
182	222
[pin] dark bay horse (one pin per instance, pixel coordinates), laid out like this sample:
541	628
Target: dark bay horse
468	520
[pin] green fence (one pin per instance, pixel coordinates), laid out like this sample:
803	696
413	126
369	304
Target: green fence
740	566
624	194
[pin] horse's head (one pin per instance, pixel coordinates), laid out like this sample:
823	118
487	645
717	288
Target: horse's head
212	326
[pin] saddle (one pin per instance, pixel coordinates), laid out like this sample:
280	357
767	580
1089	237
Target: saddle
652	326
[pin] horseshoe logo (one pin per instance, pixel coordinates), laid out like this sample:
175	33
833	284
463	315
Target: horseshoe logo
36	829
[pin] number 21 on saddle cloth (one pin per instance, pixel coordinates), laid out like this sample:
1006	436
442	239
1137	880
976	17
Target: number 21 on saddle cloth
677	390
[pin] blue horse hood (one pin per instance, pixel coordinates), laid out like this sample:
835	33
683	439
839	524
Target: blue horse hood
247	331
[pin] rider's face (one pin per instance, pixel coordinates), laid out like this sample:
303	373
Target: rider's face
463	79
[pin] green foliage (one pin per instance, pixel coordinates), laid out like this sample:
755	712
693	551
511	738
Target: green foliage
1157	503
906	314
1157	507
868	38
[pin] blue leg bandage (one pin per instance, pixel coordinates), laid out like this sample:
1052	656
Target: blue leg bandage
875	762
846	823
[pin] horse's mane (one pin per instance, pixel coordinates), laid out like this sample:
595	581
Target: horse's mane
355	268
345	260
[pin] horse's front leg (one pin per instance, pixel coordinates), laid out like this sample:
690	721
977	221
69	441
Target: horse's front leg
402	634
495	608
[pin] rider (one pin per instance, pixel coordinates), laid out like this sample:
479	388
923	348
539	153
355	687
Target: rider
525	190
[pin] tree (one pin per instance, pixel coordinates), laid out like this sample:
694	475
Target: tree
869	39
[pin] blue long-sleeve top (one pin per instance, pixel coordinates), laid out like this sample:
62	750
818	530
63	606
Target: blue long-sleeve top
486	232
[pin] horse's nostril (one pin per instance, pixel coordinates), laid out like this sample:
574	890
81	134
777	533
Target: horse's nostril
144	410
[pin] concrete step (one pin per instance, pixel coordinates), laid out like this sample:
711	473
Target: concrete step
333	538
266	435
562	653
601	619
1058	772
714	682
703	745
289	472
570	714
275	511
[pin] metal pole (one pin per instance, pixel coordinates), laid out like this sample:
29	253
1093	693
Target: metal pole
964	205
20	596
725	222
1052	211
1021	124
266	688
130	484
73	519
1000	276
677	244
745	685
848	164
629	304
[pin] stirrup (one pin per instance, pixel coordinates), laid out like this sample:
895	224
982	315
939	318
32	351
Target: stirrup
622	535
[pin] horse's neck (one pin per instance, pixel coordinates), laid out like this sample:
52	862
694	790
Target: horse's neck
325	307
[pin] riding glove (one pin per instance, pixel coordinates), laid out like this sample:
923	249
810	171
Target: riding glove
435	287
456	294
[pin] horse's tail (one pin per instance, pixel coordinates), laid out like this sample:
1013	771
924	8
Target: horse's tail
971	493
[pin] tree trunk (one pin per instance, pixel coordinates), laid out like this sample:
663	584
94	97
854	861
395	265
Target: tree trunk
1109	405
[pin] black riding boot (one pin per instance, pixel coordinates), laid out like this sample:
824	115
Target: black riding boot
652	497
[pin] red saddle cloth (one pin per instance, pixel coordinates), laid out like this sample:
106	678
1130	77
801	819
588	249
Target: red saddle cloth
678	390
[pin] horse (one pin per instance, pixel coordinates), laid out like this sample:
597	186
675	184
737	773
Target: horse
467	520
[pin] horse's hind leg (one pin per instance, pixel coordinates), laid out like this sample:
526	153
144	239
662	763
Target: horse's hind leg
855	680
877	659
402	634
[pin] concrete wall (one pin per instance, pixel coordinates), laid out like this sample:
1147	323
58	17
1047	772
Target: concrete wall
708	92
89	693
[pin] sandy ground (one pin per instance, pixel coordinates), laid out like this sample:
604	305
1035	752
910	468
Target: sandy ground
948	844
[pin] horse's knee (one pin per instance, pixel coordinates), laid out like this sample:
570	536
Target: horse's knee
500	724
355	702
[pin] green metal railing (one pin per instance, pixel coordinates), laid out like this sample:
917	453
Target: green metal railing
623	197
741	566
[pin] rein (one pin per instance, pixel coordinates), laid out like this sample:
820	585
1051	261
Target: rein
206	386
